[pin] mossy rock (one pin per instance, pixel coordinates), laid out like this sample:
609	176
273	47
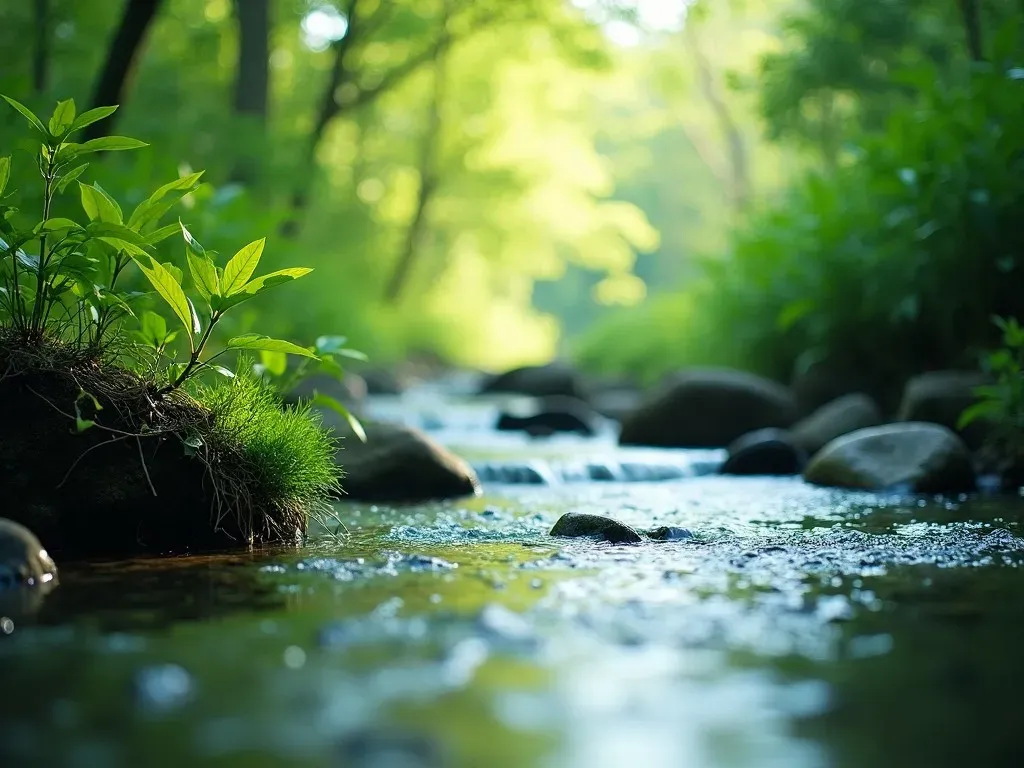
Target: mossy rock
579	525
130	483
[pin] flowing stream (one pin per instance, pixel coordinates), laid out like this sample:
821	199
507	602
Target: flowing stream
799	627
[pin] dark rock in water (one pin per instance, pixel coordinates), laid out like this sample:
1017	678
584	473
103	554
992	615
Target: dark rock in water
614	398
708	408
23	561
576	525
380	381
670	533
765	452
940	397
835	419
539	381
398	463
921	457
549	415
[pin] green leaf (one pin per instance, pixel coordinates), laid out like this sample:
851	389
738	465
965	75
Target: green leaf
255	287
204	274
326	345
5	172
70	176
108	144
34	121
161	201
91	116
169	289
190	242
159	235
63	117
978	411
354	354
57	224
123	245
274	362
196	327
255	341
329	402
99	205
83	424
241	266
226	372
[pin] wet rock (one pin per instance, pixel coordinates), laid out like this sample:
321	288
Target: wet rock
538	381
670	533
380	381
921	457
549	415
839	417
398	463
614	398
23	561
765	452
940	397
708	408
577	525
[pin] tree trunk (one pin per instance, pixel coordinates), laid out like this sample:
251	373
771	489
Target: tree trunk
41	53
971	15
429	173
122	55
252	78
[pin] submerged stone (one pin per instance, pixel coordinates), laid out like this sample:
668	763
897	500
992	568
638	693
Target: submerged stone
23	561
578	525
921	457
670	533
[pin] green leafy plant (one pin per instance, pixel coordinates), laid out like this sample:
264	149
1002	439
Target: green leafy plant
1001	403
273	368
60	275
221	289
69	287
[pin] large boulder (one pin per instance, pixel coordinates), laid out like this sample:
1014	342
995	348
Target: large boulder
764	452
940	397
917	456
840	417
398	463
708	408
538	381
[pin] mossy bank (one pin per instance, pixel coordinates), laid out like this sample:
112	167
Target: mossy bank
152	473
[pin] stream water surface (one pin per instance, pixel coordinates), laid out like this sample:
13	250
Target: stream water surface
799	627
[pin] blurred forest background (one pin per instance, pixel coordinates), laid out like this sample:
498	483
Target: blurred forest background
780	185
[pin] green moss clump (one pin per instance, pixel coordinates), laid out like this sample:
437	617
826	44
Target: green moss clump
284	455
